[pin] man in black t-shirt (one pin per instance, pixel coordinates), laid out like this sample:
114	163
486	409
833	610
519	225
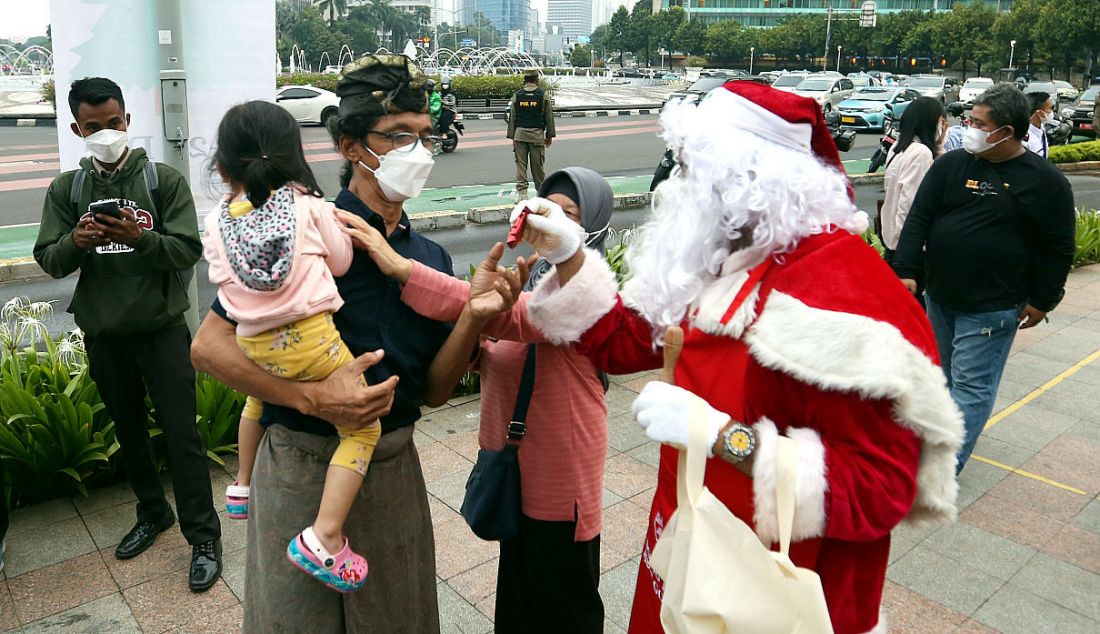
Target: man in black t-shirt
993	227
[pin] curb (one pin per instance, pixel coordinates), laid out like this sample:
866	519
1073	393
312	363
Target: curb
21	270
1068	168
568	114
27	270
500	213
1083	166
6	122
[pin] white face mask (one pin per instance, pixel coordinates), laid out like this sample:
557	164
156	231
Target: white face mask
1048	118
107	145
402	175
976	141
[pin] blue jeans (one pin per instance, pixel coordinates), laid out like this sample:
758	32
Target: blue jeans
973	350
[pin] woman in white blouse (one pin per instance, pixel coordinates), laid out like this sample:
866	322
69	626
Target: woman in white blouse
923	128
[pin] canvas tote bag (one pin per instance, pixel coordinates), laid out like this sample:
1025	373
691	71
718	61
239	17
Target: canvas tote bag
718	575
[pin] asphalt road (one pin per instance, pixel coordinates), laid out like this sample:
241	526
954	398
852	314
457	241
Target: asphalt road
613	146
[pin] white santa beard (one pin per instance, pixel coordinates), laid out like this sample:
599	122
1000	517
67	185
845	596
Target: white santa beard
733	180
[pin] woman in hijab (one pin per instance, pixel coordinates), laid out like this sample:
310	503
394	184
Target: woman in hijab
548	575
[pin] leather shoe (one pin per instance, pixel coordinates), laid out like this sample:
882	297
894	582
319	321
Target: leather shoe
206	565
141	537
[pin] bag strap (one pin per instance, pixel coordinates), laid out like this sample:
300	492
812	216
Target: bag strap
692	466
517	429
152	182
786	465
76	190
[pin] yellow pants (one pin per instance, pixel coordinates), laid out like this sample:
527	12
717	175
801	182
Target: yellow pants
310	350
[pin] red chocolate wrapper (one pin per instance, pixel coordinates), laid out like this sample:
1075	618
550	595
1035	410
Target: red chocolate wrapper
515	234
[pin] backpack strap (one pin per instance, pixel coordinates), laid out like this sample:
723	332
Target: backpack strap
152	182
76	190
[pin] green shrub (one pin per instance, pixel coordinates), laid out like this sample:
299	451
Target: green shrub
56	438
49	92
1075	152
463	86
1088	238
54	434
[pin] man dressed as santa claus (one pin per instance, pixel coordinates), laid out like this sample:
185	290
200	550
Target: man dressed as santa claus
793	326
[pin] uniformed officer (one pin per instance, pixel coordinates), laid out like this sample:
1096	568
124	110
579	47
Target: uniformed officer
531	128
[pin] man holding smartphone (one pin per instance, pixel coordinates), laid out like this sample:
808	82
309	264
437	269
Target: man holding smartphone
129	226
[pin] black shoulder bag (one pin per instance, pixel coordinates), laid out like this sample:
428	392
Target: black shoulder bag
492	504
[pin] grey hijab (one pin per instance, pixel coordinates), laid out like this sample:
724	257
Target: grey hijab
595	201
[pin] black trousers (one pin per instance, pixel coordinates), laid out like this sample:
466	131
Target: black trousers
124	368
546	582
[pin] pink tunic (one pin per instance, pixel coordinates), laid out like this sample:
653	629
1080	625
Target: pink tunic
322	250
563	454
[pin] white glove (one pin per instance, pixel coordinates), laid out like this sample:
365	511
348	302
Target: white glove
549	231
665	412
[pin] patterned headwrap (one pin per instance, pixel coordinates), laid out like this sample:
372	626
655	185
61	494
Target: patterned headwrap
378	78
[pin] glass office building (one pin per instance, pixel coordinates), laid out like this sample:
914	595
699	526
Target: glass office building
574	16
506	15
765	13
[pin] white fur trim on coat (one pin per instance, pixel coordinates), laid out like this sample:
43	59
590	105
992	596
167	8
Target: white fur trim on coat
564	314
810	483
873	359
716	299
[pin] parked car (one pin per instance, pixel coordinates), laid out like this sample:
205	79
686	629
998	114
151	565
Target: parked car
1066	91
973	88
332	69
308	104
671	77
1083	113
862	81
694	92
1042	86
627	72
825	90
935	87
789	82
866	108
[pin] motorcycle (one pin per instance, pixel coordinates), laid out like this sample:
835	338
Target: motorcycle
889	138
1058	133
843	137
449	127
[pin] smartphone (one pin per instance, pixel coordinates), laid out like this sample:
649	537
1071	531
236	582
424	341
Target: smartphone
516	233
107	208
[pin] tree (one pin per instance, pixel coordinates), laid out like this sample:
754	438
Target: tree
1072	29
618	32
581	56
723	40
333	8
691	37
313	36
601	42
666	27
641	30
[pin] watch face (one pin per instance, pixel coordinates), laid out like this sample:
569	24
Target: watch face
740	441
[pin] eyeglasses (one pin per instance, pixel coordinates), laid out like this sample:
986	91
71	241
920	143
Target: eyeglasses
406	141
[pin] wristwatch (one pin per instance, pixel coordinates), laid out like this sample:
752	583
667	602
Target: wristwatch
738	443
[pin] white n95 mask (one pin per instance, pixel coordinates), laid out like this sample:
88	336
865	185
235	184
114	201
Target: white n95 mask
107	145
402	175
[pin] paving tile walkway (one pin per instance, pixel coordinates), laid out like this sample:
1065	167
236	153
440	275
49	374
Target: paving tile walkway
1023	558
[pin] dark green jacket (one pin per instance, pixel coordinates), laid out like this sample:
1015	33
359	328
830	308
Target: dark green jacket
123	290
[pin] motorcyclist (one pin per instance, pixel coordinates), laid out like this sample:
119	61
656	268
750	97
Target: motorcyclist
435	102
954	138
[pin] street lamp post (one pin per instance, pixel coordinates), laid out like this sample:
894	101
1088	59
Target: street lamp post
1011	54
838	47
828	34
752	54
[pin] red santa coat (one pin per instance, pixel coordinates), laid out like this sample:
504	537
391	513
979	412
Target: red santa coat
829	350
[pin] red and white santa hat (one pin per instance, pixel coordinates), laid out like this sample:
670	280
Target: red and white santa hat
783	118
